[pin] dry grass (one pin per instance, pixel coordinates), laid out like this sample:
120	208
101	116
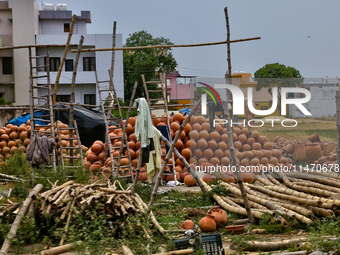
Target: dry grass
326	127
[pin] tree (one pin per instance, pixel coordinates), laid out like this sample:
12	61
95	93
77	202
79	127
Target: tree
146	61
277	75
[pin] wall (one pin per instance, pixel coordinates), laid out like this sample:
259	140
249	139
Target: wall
9	114
23	33
322	103
57	26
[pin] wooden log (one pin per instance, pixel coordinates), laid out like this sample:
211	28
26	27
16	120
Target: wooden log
11	234
61	249
266	246
257	231
239	222
230	208
179	252
62	196
292	253
126	250
51	191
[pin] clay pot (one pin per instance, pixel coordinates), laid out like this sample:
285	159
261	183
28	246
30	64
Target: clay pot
189	181
208	178
289	148
328	148
183	175
220	217
142	176
299	153
247	177
207	224
313	152
188	224
235	228
314	138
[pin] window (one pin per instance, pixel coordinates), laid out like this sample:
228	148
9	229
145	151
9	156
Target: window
69	65
66	27
90	99
2	95
89	64
290	95
64	98
7	65
54	64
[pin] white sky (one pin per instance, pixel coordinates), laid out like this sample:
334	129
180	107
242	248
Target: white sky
299	33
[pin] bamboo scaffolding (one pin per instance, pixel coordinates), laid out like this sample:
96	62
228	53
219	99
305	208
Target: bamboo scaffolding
11	234
55	89
169	46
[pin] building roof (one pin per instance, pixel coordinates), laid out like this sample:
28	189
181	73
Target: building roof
84	15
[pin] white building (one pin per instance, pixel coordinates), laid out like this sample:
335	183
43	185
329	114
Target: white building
22	23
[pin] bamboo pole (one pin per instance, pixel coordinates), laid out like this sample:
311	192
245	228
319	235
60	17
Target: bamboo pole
35	46
304	189
169	154
230	208
55	89
126	250
228	40
169	46
14	228
285	196
231	202
179	252
61	249
186	164
314	184
337	98
266	246
312	177
236	164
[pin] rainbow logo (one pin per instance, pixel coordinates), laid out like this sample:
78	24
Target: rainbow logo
212	93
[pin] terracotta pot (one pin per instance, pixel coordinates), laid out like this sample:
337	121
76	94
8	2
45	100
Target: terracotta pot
188	224
189	181
142	176
289	148
220	217
313	152
328	148
235	228
247	177
314	138
207	224
208	178
183	175
299	153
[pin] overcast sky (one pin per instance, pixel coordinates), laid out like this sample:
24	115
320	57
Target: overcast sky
300	33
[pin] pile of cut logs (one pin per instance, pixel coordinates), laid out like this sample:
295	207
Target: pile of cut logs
295	195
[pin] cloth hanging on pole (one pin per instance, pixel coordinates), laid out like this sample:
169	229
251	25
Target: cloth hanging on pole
155	159
39	149
144	125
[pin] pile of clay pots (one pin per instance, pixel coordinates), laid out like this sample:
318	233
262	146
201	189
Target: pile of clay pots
13	138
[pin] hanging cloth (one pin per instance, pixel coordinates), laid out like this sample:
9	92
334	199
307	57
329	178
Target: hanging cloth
155	160
144	125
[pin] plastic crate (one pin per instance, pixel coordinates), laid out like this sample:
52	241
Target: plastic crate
212	244
192	242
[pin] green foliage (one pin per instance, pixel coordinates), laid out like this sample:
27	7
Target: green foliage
145	61
274	227
275	74
4	102
322	233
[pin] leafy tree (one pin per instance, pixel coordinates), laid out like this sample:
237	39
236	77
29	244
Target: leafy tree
277	75
145	61
4	102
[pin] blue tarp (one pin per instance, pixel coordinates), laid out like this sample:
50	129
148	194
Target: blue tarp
23	118
185	110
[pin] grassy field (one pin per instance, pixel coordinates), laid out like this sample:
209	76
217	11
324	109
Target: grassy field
326	128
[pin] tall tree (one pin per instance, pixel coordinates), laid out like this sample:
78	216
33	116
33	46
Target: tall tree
145	61
277	75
